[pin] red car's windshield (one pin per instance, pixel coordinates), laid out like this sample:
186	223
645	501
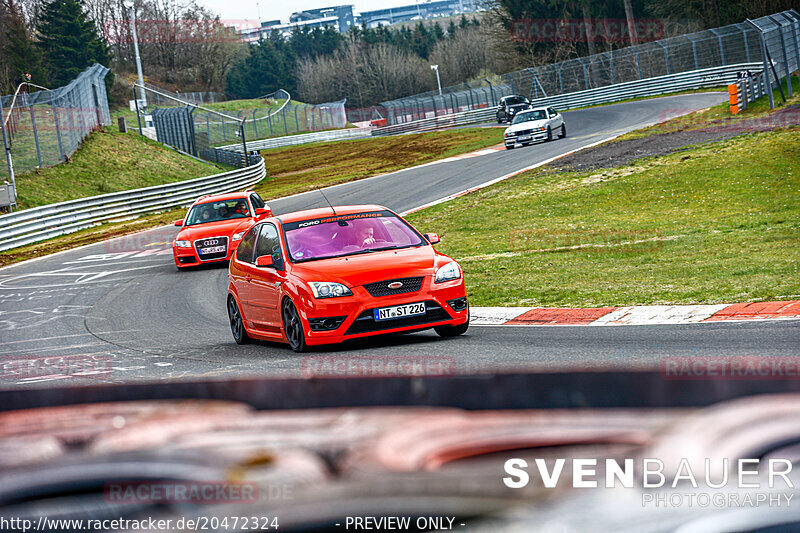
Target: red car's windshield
216	211
336	236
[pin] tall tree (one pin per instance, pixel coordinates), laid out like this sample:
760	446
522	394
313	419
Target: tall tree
18	54
69	41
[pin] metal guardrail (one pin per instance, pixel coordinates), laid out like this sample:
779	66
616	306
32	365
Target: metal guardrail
748	90
291	140
697	79
40	223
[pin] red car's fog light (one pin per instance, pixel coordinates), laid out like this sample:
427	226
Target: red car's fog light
326	324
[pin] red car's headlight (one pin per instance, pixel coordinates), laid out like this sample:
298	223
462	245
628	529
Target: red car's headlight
327	289
448	272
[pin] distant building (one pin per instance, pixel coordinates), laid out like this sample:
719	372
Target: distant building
422	10
339	17
342	17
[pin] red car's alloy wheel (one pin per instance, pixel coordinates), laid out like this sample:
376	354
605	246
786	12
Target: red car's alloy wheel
293	327
237	325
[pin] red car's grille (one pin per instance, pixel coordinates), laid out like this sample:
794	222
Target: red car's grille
209	243
381	288
367	323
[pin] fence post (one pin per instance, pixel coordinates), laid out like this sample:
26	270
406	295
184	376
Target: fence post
73	145
244	142
36	135
471	97
721	47
694	51
491	89
586	72
666	55
285	126
746	46
138	115
58	131
452	104
97	105
561	81
7	147
767	80
796	39
533	83
785	57
296	120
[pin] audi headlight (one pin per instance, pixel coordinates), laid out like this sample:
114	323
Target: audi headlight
238	236
327	289
183	244
448	272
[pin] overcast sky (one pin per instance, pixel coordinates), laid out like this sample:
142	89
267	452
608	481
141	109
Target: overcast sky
277	9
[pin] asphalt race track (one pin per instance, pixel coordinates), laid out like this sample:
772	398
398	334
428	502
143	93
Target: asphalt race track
122	302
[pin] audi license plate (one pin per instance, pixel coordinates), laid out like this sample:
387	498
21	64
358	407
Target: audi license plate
212	250
399	311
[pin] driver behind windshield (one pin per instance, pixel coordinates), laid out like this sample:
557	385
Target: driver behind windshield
366	236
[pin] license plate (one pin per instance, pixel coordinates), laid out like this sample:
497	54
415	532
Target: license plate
212	250
399	311
524	138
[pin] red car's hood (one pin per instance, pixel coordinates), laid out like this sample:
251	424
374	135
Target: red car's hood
214	229
355	270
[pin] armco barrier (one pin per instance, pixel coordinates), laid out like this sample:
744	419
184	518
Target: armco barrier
697	79
745	91
40	223
291	140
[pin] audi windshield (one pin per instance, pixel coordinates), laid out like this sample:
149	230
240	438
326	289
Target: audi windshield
217	211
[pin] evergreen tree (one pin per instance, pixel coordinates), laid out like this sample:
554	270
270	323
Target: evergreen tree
269	66
69	41
18	53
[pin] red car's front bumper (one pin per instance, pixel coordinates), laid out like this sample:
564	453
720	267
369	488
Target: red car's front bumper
446	305
187	257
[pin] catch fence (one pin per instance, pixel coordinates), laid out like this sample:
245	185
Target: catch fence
43	127
771	40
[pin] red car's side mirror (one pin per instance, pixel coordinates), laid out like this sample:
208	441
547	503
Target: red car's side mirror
264	261
263	211
433	238
179	222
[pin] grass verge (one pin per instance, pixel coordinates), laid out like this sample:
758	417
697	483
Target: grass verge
719	115
713	224
108	161
297	169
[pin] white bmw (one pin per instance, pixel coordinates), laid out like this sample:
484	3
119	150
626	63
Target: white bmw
538	124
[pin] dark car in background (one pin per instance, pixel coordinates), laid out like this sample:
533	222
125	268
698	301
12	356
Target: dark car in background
511	105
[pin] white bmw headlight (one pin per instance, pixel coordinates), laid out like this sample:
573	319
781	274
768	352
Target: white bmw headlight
327	289
238	236
183	244
448	272
509	134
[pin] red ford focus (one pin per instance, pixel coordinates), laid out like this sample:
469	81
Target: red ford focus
323	276
214	226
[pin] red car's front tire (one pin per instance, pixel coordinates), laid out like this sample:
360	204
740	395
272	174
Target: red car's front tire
237	322
293	327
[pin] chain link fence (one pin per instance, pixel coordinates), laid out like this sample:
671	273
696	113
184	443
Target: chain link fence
772	40
43	127
208	133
